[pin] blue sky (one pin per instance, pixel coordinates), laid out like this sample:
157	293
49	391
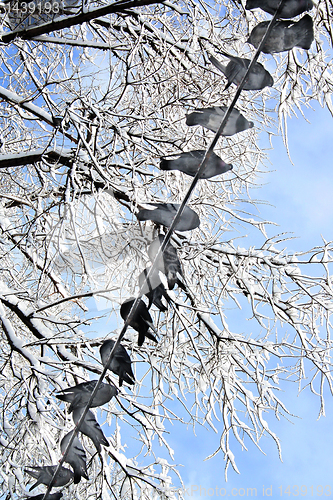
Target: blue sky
300	201
302	204
301	192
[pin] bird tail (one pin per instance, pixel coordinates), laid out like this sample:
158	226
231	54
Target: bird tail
79	471
172	279
305	29
126	377
35	474
37	483
141	338
62	397
150	297
181	285
149	323
144	214
159	304
100	439
77	477
145	333
84	474
151	337
103	440
76	401
154	298
165	164
193	119
32	473
217	63
97	435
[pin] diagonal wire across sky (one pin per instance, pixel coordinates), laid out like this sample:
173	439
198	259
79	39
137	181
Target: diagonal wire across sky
166	240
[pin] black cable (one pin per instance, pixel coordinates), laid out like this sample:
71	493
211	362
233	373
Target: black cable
167	239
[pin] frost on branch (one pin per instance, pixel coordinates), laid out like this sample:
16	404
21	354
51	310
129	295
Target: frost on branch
93	126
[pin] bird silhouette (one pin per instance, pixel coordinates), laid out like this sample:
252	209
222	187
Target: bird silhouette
285	35
189	164
211	118
153	288
120	363
79	394
76	456
257	79
168	262
90	427
141	320
164	213
45	473
289	9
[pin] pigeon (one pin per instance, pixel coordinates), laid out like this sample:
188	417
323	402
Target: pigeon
79	395
290	8
120	363
168	263
164	214
49	496
90	427
141	320
285	35
211	118
257	79
153	288
45	473
76	457
189	164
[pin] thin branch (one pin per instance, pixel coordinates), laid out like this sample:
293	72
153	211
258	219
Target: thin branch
67	22
74	43
40	113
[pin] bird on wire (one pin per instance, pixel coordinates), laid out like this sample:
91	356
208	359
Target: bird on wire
211	118
168	262
76	456
44	475
120	363
290	8
153	288
257	79
79	394
141	320
189	164
164	213
90	427
285	35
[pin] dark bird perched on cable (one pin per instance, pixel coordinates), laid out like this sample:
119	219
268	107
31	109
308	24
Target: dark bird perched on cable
189	164
285	35
76	457
290	8
120	363
141	320
211	118
257	79
164	214
49	496
79	395
45	473
90	427
168	262
153	288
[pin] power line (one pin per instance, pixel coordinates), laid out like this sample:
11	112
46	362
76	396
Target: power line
167	238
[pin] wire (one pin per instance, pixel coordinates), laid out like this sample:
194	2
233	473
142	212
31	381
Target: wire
167	239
